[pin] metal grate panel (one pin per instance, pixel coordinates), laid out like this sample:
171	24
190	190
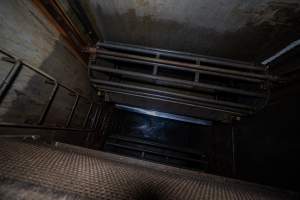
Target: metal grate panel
106	176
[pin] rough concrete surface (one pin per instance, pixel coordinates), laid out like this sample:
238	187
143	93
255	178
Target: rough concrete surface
236	29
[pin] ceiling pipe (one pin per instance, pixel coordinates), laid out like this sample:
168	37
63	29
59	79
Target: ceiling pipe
281	52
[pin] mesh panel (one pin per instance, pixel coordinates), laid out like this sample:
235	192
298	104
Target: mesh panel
107	176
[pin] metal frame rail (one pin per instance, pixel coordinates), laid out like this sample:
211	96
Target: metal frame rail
151	152
196	65
143	151
154	144
9	80
180	55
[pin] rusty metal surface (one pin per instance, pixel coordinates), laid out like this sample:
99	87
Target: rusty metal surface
96	175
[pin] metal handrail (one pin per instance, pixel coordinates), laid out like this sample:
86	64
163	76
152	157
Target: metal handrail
10	78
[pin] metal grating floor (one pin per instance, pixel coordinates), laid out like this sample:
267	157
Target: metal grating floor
86	174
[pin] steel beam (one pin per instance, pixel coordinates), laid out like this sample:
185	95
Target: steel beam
227	110
157	153
154	144
168	99
179	82
182	64
180	55
169	93
218	74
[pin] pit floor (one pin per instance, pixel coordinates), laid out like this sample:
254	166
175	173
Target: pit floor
35	171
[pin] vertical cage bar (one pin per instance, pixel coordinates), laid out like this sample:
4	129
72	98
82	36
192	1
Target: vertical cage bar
95	116
48	105
88	115
9	79
98	117
72	112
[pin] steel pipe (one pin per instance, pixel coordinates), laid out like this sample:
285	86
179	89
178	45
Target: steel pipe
179	82
228	110
182	64
190	103
168	93
236	77
180	55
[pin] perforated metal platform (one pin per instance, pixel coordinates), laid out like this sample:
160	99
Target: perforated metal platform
85	174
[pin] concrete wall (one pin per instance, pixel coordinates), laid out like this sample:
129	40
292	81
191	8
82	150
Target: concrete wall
26	33
236	29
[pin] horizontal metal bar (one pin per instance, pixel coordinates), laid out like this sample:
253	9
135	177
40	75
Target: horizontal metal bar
165	115
180	55
15	125
234	112
168	93
182	64
12	60
236	77
75	92
6	53
281	52
154	144
157	153
179	81
224	109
